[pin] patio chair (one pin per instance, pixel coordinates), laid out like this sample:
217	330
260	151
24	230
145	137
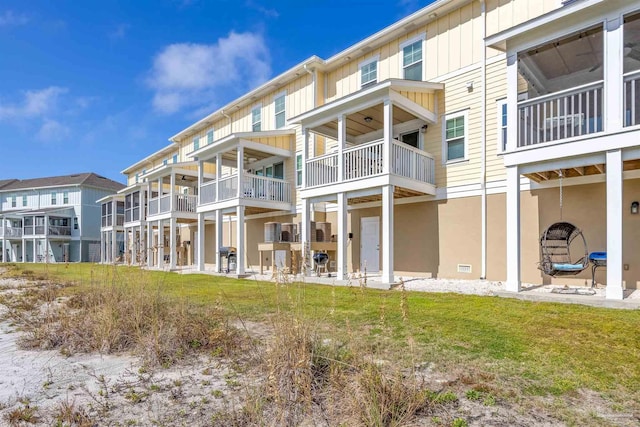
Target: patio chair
555	250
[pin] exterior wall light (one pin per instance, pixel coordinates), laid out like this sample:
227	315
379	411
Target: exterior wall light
368	119
635	208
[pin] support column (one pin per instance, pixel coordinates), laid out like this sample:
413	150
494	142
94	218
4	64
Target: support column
388	136
240	245
218	175
305	235
614	225
173	253
304	156
613	87
200	178
200	241
24	250
114	242
45	255
149	250
513	230
342	237
342	142
218	239
387	234
240	168
172	192
160	244
35	259
127	251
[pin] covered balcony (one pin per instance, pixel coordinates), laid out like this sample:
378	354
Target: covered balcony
11	228
172	191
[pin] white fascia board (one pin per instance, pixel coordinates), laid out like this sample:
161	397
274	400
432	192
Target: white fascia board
132	188
229	141
252	145
411	107
151	157
499	40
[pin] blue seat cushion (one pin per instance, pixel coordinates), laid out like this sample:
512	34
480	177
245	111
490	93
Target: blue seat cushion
598	256
568	267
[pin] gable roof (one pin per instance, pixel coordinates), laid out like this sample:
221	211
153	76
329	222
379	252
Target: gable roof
88	178
5	182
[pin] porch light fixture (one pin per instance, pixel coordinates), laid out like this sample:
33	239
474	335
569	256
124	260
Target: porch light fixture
424	128
368	119
635	208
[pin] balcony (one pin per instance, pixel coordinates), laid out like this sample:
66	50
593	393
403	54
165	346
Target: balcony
182	203
254	187
132	214
367	161
53	230
11	232
632	98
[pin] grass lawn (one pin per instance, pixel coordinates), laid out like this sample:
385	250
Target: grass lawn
516	349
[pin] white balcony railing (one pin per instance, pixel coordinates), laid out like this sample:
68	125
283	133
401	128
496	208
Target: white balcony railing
59	230
9	232
182	203
566	114
253	187
153	206
185	203
367	160
165	203
632	98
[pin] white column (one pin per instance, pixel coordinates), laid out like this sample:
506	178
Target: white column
342	236
45	255
173	253
200	178
34	248
240	167
160	244
512	102
305	233
614	224
114	241
218	175
305	155
388	136
149	250
172	192
127	253
387	234
24	250
342	141
240	244
218	239
613	70
513	229
200	241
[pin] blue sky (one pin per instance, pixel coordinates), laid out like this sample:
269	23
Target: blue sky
98	85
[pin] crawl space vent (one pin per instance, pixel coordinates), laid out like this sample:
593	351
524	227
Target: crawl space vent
464	268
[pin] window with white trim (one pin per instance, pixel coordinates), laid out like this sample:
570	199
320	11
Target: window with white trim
65	198
279	110
256	118
369	72
196	143
412	60
175	158
24	200
501	108
137	178
53	198
13	201
165	162
298	170
455	137
210	137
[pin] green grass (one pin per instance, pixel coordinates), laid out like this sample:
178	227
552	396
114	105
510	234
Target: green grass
516	348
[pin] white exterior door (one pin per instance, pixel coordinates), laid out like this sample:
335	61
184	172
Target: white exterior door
370	243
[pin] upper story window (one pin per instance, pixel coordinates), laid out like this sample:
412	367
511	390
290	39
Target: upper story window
256	118
210	137
175	158
631	68
501	108
65	197
54	198
196	143
279	110
369	72
13	201
165	162
412	58
137	178
455	137
561	86
24	200
298	170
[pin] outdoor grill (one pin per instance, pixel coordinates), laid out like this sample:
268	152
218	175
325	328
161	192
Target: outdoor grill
229	253
321	259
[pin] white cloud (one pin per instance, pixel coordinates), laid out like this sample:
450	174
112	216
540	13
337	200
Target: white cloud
119	32
188	74
10	19
269	13
52	130
35	103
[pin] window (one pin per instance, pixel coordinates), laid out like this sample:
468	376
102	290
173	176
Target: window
256	118
175	158
268	171
13	201
210	137
137	178
278	170
298	170
196	143
412	59
455	132
53	198
24	200
279	108
502	125
411	138
65	198
369	72
75	223
165	161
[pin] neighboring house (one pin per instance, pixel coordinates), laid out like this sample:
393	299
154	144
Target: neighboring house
432	147
53	219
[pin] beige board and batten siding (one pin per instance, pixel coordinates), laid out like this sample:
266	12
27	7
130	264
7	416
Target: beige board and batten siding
496	91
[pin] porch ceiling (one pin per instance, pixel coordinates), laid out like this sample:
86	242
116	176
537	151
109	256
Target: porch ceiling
368	120
595	169
251	141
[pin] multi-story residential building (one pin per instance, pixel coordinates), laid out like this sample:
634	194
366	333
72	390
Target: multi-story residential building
443	145
54	219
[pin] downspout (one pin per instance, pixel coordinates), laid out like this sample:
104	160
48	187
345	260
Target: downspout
483	141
